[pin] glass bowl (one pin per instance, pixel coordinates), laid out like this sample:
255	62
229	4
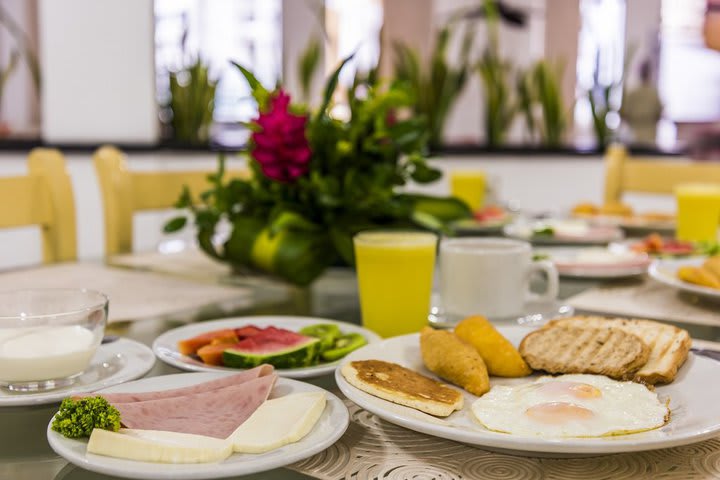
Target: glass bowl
48	336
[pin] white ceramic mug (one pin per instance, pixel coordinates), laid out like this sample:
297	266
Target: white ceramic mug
490	277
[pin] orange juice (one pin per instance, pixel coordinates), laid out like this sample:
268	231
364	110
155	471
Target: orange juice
698	211
395	276
469	186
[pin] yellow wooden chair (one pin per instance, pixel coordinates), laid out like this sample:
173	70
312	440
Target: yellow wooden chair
624	173
125	192
44	198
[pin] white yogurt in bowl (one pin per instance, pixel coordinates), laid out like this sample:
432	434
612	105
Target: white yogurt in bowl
48	337
44	353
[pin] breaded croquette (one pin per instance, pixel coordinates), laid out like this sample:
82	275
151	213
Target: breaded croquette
450	358
501	357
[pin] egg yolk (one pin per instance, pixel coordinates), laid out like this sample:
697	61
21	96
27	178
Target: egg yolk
555	413
574	389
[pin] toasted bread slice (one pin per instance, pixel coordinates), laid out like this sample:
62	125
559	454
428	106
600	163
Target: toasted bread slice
403	386
570	349
669	345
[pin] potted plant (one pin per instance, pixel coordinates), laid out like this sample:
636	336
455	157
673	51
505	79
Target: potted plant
317	180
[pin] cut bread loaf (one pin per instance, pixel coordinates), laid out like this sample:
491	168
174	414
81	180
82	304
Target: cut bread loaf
669	345
569	349
403	386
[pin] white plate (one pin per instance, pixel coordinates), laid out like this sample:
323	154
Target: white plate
595	235
637	224
567	264
665	271
695	408
115	362
329	428
165	346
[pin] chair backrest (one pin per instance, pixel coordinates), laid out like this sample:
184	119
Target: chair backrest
44	198
624	173
125	192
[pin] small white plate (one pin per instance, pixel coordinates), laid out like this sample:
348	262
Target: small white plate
695	407
115	362
165	346
665	271
593	235
568	265
330	427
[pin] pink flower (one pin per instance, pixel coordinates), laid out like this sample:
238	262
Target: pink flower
280	147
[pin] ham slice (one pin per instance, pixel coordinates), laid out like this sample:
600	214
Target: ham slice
214	413
242	377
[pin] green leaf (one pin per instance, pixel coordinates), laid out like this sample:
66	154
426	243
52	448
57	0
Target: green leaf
175	224
252	81
185	199
424	174
332	85
429	222
308	64
259	93
342	240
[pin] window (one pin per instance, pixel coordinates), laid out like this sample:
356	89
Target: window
246	31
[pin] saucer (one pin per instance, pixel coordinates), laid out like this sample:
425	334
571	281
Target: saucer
116	362
534	313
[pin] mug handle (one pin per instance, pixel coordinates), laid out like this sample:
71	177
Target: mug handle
551	292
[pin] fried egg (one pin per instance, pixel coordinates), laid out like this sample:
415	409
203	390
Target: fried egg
571	406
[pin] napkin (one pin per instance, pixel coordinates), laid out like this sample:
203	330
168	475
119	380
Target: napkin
134	295
646	298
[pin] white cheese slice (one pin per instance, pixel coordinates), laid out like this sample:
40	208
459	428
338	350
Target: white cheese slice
158	446
278	422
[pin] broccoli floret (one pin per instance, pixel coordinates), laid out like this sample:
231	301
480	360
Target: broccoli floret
77	418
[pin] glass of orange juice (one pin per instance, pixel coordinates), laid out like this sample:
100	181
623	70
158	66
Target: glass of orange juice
469	186
395	276
698	211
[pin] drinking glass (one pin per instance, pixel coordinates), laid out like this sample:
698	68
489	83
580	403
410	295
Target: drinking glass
469	186
698	211
48	336
395	276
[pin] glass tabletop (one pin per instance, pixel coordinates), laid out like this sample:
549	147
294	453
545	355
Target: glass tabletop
25	454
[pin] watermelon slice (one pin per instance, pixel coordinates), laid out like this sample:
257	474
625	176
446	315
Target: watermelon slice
190	346
247	331
276	346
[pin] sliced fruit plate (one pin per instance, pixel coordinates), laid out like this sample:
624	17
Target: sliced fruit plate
657	245
490	219
299	347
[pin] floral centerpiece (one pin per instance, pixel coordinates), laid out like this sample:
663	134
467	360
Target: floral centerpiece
317	180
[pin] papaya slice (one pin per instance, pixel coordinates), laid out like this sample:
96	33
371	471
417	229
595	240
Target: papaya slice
190	346
213	354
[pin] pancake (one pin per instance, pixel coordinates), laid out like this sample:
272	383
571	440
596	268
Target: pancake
403	386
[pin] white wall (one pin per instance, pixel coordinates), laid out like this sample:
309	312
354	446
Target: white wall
537	184
98	63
